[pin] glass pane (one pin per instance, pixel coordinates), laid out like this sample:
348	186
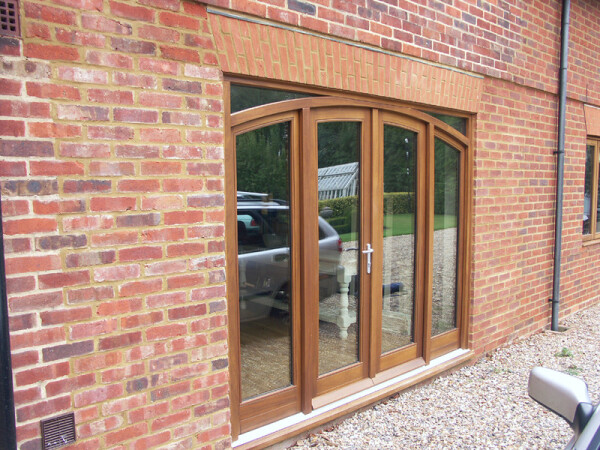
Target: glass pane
458	123
399	183
264	239
339	179
245	97
587	196
445	237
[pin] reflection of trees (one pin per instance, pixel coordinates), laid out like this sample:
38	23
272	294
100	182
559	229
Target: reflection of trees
339	143
262	160
399	159
446	178
244	97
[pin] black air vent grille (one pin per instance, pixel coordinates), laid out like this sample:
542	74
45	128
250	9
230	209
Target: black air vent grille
58	431
9	18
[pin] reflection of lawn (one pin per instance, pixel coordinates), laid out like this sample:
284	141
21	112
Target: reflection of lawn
401	224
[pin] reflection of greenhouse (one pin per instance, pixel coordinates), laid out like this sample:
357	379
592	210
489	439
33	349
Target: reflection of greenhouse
338	181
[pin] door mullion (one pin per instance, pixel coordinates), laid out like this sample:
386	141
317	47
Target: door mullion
425	205
308	261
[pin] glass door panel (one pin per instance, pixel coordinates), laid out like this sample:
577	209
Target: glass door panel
445	237
399	217
339	240
264	263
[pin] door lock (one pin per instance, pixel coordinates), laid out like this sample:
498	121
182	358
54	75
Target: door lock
368	252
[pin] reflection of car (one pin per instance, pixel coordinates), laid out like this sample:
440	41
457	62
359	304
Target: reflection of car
263	229
568	397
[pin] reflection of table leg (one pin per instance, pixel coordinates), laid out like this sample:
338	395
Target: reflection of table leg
343	320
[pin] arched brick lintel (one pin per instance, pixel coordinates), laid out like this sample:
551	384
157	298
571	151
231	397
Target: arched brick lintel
254	48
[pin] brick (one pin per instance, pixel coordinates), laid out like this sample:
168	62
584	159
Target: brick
118	374
50	14
159	100
13	168
24	188
46	336
88	259
9	46
26	264
99	426
178	21
163	235
185	281
141	320
207	293
51	52
165	267
105	25
190	249
183	217
55	168
132	46
50	90
187	312
122	340
97	395
127	11
82	113
148	412
140	287
170	391
107	59
38	30
24	359
168	421
206	200
162	203
96	362
61	241
17	245
82	38
183	185
160	168
182	118
111	169
84	150
44	408
159	66
67	351
118	307
127	433
59	206
164	300
108	96
91	294
135	115
160	135
87	223
139	220
165	332
21	322
91	329
138	185
35	302
180	54
90	5
112	204
116	273
137	151
18	108
112	133
65	315
26	148
154	33
140	254
115	238
23	396
54	130
189	87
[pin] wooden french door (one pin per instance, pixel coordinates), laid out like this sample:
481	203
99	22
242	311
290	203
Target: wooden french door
331	268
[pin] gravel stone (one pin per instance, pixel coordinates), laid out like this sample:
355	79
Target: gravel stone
484	405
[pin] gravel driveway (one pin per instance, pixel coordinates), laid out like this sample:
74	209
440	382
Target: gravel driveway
484	405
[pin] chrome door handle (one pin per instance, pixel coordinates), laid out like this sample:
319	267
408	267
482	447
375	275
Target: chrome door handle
368	252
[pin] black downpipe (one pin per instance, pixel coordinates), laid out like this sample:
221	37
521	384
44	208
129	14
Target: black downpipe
8	430
560	159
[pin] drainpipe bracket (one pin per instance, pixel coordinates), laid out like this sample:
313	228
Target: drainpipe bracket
554	302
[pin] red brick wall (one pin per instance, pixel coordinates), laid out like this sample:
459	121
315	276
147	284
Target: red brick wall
111	119
112	199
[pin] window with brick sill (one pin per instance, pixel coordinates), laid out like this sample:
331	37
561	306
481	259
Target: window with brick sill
591	197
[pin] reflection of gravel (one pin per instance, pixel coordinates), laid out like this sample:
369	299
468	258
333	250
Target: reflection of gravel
480	406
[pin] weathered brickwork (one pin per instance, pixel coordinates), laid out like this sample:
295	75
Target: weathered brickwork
112	199
112	147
